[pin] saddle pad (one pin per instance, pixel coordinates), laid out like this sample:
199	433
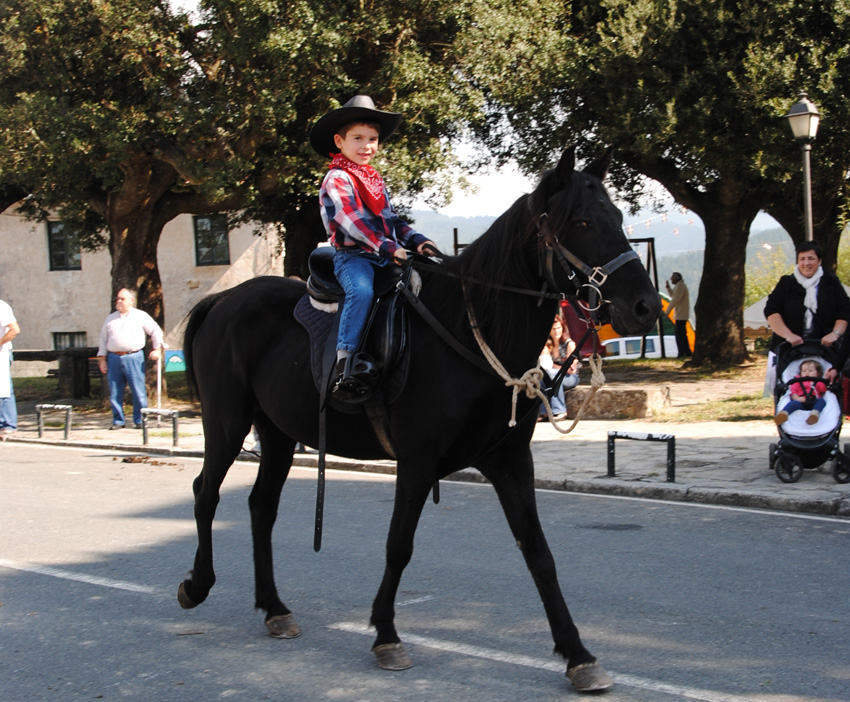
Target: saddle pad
318	325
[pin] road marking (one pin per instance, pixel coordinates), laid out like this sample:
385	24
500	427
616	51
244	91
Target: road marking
78	577
417	600
554	666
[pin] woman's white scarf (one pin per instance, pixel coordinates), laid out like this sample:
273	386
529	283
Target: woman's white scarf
810	285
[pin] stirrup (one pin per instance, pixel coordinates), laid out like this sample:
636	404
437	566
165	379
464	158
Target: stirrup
358	381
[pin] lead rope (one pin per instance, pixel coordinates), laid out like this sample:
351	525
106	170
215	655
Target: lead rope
530	380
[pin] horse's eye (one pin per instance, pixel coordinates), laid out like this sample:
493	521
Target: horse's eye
581	224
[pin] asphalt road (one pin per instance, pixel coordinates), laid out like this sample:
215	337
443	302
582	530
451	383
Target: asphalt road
678	601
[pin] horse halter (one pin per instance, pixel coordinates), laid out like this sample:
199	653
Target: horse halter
551	249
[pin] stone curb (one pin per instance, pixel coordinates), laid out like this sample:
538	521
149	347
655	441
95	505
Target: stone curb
674	492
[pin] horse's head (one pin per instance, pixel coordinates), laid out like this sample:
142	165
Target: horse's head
583	249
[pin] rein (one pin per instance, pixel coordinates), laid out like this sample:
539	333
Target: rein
550	249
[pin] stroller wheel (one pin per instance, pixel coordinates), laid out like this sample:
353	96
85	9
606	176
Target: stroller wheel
772	456
841	468
789	468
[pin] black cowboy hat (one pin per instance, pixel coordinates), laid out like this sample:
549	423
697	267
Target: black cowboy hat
360	107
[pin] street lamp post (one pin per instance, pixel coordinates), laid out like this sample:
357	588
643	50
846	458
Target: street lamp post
803	117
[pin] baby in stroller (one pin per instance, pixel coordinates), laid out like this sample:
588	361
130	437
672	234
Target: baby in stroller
808	413
806	393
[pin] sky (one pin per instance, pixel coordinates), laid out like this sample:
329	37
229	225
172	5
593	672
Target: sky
498	190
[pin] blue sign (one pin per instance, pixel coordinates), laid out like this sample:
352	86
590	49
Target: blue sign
174	361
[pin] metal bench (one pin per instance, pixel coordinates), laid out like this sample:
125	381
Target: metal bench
39	412
174	414
637	436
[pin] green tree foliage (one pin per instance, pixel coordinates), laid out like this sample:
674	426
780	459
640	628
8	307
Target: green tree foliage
691	94
764	269
119	115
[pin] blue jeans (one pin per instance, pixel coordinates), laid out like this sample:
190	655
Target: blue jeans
794	405
355	271
558	401
122	371
8	407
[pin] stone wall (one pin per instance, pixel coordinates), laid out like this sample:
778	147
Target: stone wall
619	401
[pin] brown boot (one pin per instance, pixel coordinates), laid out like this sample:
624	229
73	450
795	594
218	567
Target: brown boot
813	417
781	418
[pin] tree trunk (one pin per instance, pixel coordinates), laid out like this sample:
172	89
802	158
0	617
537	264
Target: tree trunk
304	229
826	218
133	242
720	304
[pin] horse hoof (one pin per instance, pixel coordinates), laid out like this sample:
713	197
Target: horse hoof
392	656
589	677
283	626
185	601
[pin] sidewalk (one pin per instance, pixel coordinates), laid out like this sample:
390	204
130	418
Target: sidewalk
716	462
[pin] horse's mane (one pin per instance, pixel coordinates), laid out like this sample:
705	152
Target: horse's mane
505	255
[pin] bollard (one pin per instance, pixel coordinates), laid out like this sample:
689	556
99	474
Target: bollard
670	439
174	414
39	409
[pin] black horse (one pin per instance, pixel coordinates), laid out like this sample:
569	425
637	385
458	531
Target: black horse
249	360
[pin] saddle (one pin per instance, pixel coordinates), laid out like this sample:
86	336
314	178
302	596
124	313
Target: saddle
384	338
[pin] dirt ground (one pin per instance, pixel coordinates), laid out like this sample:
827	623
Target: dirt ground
690	386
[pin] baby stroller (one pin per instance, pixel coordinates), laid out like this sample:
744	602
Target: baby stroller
802	445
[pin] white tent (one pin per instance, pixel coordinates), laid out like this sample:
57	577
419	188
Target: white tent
754	319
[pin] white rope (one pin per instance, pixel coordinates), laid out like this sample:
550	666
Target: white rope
530	380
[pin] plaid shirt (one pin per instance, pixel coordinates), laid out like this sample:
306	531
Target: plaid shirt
349	223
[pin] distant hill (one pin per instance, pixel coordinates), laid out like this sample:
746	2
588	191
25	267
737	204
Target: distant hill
679	238
439	228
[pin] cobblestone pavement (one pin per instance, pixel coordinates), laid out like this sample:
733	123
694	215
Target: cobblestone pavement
716	462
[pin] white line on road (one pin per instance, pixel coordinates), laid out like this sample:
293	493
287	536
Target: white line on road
528	662
78	577
462	649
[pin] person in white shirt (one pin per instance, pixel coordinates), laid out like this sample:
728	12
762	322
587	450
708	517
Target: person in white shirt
121	355
9	329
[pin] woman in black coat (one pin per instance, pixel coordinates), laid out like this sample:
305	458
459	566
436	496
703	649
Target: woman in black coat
808	304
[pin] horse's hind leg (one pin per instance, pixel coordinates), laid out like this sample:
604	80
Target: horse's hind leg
275	461
410	498
222	445
512	475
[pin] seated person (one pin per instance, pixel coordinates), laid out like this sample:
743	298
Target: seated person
805	394
557	402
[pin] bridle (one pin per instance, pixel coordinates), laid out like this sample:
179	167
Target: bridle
551	250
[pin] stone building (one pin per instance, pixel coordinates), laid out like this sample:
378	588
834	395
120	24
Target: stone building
61	295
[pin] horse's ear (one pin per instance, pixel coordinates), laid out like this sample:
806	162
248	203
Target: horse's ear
552	181
600	166
567	164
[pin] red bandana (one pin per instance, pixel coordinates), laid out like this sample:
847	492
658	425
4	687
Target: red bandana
368	181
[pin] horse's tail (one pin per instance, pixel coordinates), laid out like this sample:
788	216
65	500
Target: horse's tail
196	318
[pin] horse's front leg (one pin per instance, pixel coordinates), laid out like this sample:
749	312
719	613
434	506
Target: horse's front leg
410	496
512	475
275	462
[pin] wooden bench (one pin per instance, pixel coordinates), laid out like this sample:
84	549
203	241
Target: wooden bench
75	367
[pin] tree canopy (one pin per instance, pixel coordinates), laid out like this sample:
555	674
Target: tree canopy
119	115
692	95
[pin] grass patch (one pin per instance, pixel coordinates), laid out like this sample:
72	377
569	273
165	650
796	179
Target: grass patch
46	390
741	408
